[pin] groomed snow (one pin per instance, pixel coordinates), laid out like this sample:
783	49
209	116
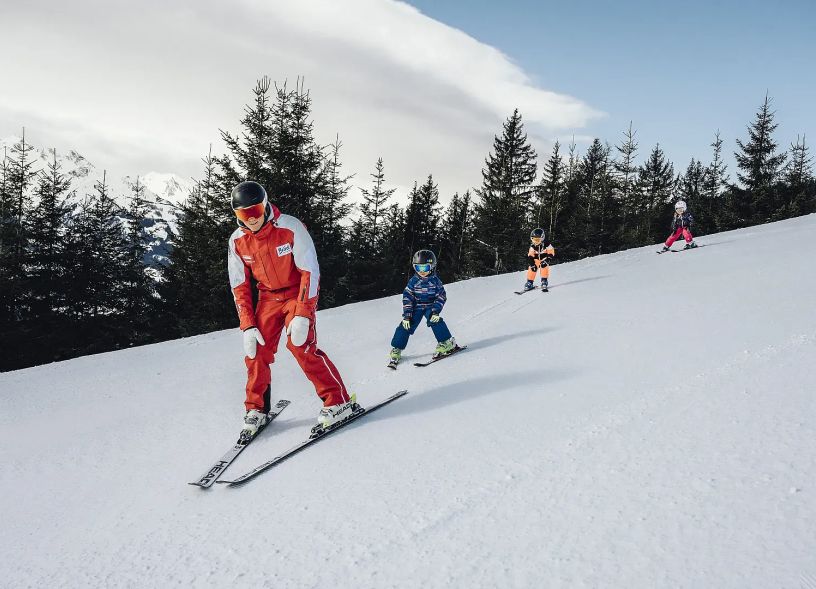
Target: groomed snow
649	422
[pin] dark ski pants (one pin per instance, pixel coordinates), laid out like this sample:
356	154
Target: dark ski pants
401	335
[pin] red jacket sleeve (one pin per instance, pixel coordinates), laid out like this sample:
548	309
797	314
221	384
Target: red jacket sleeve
239	282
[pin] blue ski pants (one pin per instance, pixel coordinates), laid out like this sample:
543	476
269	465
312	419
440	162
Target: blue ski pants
401	335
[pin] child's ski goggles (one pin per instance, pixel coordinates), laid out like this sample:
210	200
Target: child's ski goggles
536	240
422	267
251	212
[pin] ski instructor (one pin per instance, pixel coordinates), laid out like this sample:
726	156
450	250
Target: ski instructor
278	253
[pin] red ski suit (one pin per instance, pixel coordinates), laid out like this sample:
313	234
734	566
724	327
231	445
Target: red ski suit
281	257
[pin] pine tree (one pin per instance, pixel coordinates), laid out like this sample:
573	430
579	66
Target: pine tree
760	167
138	285
296	162
595	216
375	204
19	177
329	235
551	192
395	250
799	180
196	290
456	239
369	258
625	169
99	247
570	229
6	204
504	200
22	178
691	183
655	188
7	278
423	216
712	209
49	263
249	153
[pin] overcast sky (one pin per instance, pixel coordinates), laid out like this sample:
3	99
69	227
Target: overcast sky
145	86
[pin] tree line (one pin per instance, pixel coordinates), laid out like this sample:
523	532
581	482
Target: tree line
73	277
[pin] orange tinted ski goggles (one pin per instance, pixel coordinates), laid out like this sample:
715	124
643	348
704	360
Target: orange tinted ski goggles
536	240
252	212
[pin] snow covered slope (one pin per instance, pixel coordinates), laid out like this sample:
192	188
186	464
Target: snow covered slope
649	422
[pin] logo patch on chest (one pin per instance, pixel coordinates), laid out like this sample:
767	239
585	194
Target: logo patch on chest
284	249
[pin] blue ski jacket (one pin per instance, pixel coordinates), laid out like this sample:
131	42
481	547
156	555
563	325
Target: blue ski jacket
423	293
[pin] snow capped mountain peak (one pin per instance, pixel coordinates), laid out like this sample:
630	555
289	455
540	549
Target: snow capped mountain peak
82	167
171	187
164	192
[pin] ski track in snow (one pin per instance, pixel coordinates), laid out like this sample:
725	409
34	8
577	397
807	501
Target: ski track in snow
647	423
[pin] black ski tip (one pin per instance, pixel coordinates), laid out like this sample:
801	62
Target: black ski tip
458	348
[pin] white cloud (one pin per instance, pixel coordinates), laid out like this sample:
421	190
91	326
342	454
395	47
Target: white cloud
146	86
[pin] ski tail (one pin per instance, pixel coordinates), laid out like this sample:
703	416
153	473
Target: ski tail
216	470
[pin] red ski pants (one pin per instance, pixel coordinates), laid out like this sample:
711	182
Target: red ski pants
684	231
274	312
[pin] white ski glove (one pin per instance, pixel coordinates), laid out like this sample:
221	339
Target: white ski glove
298	330
252	337
435	318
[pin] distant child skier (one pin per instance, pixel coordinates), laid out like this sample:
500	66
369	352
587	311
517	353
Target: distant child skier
538	260
681	225
423	298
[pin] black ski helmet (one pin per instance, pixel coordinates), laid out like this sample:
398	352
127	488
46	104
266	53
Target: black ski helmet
537	234
424	257
247	194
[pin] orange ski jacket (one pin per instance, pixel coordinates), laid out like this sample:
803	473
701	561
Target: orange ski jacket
539	254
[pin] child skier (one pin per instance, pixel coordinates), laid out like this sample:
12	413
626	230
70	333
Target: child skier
537	257
681	225
423	297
